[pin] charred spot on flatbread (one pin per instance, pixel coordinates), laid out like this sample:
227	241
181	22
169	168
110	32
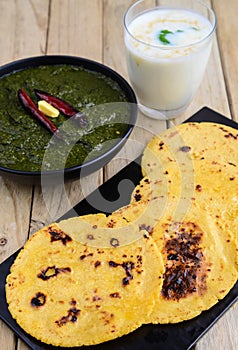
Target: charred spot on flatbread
72	315
52	271
83	256
137	195
128	267
115	295
38	300
58	235
228	133
184	262
111	223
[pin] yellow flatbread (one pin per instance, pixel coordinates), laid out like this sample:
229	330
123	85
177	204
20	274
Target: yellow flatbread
213	184
67	293
199	252
200	258
180	144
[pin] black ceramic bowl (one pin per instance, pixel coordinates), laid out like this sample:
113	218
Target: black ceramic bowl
34	177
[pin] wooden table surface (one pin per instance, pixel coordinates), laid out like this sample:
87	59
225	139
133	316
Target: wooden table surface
93	29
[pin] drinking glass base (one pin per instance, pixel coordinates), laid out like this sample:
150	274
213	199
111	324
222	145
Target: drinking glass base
161	115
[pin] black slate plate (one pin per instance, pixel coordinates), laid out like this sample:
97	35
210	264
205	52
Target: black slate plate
180	336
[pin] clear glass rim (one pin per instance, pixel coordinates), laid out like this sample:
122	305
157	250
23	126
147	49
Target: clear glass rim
175	47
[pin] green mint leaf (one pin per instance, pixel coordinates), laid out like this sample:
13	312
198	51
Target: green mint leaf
162	36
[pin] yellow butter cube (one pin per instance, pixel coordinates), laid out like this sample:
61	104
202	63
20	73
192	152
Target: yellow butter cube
47	109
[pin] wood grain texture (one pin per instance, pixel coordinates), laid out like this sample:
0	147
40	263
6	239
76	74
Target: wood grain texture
113	37
7	340
227	31
223	335
94	29
15	204
23	27
24	24
75	28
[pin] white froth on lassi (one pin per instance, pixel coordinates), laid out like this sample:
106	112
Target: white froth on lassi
167	53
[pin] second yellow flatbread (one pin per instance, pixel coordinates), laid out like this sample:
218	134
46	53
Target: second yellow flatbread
67	293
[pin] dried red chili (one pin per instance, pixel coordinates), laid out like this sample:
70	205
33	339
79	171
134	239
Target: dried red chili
32	110
63	106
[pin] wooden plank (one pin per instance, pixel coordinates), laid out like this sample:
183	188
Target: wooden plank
227	30
75	28
223	334
15	203
7	339
15	198
115	57
26	23
113	34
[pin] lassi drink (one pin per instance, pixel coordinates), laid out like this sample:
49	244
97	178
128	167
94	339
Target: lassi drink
167	52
